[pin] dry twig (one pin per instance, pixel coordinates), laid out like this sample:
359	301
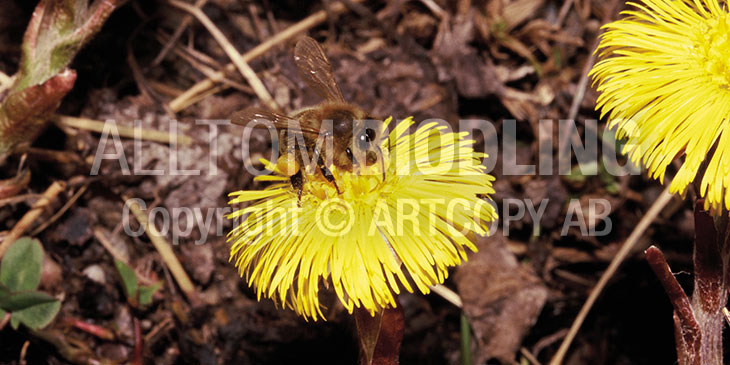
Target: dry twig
23	353
184	100
30	216
18	198
529	356
248	73
142	84
160	328
60	212
448	294
165	89
567	4
624	251
60	157
435	8
163	248
200	62
176	34
127	132
197	98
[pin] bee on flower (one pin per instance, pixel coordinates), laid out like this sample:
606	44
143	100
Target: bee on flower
373	237
374	210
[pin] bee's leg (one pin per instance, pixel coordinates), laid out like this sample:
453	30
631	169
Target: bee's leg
297	182
325	171
328	175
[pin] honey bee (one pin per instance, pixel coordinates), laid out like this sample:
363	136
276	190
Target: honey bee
354	132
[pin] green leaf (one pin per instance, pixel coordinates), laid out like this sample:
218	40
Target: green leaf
23	300
4	292
2	314
37	316
129	279
56	34
146	292
22	264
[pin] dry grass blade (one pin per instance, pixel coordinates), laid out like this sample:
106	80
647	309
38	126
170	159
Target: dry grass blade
198	97
23	353
246	71
18	199
24	223
184	100
176	35
448	294
61	157
165	89
529	356
567	4
435	8
163	248
127	132
624	251
195	60
60	212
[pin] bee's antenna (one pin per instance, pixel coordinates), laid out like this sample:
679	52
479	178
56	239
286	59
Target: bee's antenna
382	161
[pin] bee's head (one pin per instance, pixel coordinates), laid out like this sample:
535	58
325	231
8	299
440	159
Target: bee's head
354	136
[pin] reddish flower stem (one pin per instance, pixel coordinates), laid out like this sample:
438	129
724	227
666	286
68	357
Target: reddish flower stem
380	335
698	323
93	329
686	330
137	358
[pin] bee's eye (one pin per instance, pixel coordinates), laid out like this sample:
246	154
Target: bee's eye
367	136
370	134
348	151
363	142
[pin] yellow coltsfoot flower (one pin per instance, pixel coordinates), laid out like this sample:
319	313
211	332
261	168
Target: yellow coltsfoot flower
664	80
377	234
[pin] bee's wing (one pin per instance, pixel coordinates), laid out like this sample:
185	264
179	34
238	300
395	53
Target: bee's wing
315	69
279	121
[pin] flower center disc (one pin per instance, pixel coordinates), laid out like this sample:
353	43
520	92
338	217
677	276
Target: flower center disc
714	46
364	186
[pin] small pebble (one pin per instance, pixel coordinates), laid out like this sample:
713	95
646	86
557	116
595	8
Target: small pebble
95	273
51	274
